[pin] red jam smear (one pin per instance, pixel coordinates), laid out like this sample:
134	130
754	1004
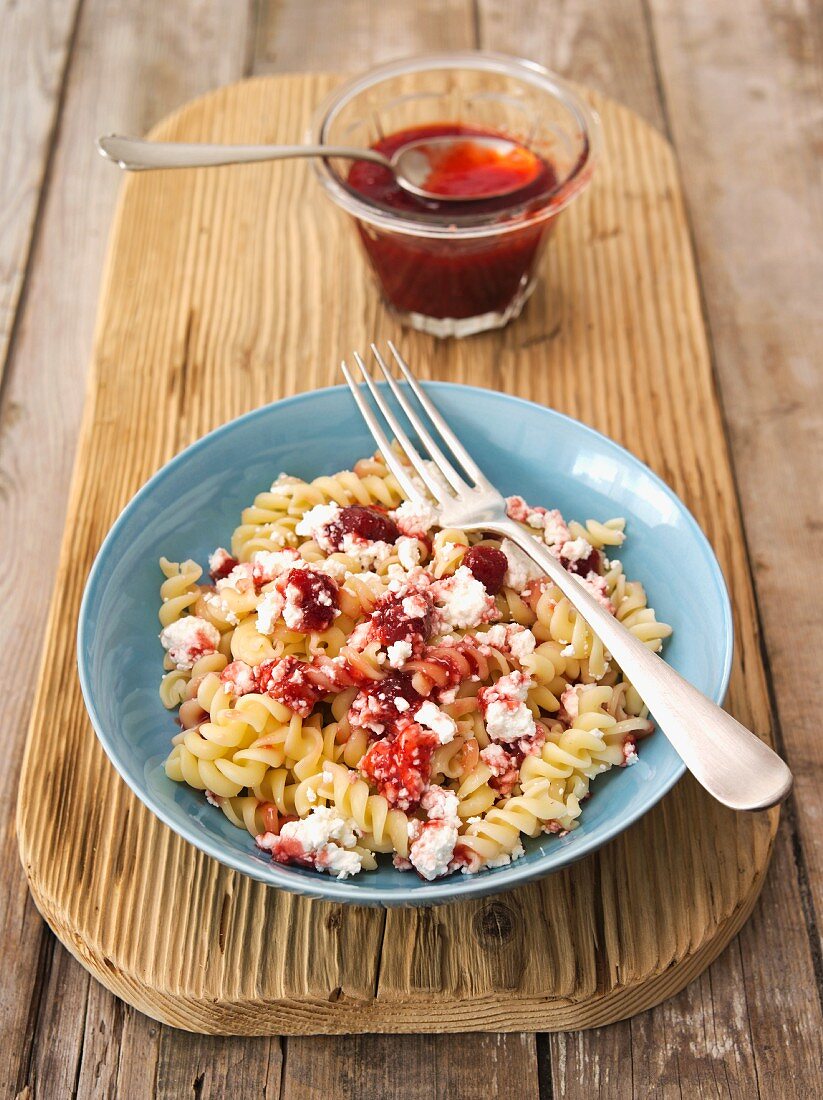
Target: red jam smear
589	564
468	169
488	565
290	850
286	681
377	703
443	277
363	523
225	566
317	599
391	624
507	772
400	766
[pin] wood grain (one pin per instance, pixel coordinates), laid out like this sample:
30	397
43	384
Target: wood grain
623	935
129	64
34	48
413	1067
328	36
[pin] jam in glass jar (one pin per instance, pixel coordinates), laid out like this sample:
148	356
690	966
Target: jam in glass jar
447	267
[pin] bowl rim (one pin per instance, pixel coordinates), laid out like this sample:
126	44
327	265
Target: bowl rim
450	888
528	72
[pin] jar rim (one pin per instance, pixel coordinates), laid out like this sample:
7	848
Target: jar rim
530	72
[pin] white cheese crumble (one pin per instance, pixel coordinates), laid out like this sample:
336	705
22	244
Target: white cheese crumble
504	723
414	606
463	601
570	700
441	805
506	714
433	718
218	558
576	549
326	838
519	641
408	552
188	639
238	678
598	588
415	517
333	568
432	847
365	553
398	653
268	565
555	530
315	519
269	611
521	570
496	759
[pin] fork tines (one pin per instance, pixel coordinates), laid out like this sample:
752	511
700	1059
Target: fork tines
437	473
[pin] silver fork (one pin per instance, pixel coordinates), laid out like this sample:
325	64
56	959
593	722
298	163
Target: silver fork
732	763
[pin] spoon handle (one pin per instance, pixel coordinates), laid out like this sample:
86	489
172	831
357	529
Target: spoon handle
732	763
135	155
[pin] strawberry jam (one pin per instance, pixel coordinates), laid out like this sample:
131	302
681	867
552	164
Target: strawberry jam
455	277
488	565
584	566
468	169
381	705
392	623
400	766
362	523
285	680
311	600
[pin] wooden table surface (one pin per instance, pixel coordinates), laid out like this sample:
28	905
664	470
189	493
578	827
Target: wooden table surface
737	89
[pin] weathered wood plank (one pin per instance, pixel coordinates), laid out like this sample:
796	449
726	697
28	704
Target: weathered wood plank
207	1066
411	1067
132	62
329	36
606	46
34	50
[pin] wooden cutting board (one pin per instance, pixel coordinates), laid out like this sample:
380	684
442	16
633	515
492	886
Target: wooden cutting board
224	290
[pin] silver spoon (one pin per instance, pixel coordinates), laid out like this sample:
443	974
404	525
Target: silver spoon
411	164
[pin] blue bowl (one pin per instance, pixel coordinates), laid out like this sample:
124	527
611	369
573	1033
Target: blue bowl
193	504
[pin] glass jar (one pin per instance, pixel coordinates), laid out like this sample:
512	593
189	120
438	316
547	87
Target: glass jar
448	268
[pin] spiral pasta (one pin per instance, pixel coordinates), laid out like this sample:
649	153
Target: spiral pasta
352	681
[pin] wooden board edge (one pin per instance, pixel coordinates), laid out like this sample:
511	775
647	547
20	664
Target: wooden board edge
426	1014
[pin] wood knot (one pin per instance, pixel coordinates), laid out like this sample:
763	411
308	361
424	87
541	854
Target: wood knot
495	924
334	920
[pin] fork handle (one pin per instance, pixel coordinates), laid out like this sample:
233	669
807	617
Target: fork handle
731	762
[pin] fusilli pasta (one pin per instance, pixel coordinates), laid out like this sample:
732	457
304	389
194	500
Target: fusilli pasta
351	681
